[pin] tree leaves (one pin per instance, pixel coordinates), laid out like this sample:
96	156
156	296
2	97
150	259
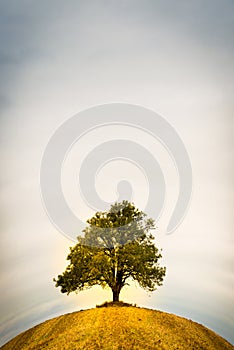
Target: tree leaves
117	245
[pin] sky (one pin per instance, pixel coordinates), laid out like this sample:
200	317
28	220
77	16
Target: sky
60	58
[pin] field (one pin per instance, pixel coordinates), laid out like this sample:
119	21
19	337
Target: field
118	328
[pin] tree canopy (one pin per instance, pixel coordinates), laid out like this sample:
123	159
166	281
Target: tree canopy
117	246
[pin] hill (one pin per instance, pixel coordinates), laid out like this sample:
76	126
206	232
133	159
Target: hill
118	328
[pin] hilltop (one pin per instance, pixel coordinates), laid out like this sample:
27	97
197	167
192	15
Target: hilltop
118	328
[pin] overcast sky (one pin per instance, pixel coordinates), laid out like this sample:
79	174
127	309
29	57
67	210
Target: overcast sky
174	57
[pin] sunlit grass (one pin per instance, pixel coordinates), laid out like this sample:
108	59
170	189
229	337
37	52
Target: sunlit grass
125	327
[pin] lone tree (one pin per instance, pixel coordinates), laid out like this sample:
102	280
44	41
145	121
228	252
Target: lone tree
117	246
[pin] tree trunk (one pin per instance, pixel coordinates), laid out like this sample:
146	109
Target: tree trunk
115	295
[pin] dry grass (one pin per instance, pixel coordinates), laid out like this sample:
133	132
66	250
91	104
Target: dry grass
118	328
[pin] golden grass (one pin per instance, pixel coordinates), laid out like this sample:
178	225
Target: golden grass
118	328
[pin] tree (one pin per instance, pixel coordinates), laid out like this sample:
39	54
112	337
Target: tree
116	246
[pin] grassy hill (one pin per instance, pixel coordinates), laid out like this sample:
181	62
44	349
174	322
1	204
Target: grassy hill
118	328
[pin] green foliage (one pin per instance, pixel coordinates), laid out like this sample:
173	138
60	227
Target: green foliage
115	304
117	245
